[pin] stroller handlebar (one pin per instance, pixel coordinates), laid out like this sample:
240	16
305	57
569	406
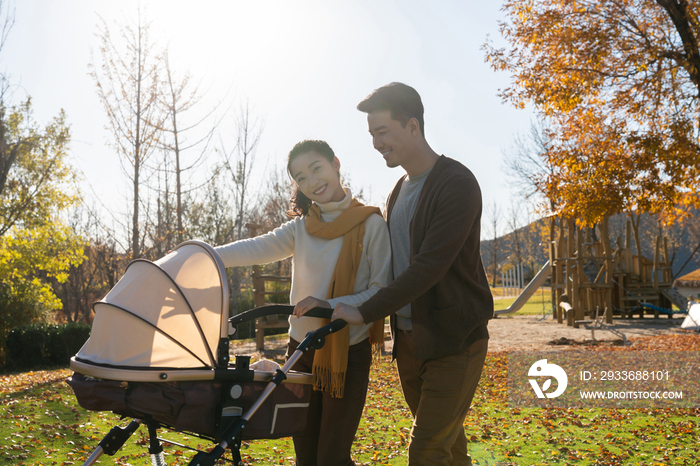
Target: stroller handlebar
337	325
274	309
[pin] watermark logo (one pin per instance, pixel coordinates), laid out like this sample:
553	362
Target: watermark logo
630	379
542	368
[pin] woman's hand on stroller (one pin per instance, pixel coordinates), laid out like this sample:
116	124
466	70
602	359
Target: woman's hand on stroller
308	303
348	313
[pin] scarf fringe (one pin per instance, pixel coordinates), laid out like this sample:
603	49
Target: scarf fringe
325	380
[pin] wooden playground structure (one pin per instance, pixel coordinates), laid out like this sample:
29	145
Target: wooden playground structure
591	278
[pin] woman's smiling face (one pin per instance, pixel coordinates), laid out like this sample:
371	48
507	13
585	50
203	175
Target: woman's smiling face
317	178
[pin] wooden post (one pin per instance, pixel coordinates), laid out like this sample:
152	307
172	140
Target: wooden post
589	298
655	270
577	270
667	274
553	280
618	262
619	266
607	252
561	282
570	225
629	267
580	277
655	267
640	259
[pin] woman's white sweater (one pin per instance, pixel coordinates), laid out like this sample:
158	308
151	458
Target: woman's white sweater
314	261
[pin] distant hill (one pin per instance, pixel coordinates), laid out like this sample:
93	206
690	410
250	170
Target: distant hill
534	238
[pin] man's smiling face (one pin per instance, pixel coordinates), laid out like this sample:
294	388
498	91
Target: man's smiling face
390	137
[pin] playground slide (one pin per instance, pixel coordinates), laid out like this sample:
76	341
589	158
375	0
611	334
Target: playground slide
529	290
676	298
692	320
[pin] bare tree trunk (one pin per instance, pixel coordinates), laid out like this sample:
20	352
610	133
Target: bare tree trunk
514	226
249	132
135	249
176	153
178	183
182	98
248	136
494	214
128	85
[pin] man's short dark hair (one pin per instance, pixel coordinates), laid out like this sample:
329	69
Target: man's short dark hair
401	100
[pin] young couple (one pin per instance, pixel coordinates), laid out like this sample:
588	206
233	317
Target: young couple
422	267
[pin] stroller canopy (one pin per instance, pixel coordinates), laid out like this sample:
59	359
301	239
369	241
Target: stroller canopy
161	316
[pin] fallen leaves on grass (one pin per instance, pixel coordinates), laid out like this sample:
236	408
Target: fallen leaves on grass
24	380
42	424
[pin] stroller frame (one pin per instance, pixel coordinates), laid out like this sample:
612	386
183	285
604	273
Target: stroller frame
153	300
231	437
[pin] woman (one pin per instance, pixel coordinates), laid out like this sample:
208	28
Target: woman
341	253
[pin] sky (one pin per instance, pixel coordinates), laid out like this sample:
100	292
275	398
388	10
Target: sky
301	66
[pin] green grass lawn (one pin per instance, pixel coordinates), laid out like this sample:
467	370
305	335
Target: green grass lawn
43	425
539	302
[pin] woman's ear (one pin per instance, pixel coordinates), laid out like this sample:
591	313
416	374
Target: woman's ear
336	164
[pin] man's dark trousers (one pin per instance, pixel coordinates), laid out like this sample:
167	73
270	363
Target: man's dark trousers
439	392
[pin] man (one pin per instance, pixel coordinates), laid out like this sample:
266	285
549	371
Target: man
439	301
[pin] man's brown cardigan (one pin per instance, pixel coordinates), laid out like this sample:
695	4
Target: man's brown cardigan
445	282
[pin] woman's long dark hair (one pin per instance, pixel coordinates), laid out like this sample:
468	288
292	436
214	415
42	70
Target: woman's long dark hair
299	204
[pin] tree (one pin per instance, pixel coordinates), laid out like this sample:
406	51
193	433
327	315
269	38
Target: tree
619	81
36	247
275	200
536	235
513	223
179	99
524	164
211	219
248	133
92	279
240	165
8	151
35	186
34	173
493	214
7	20
128	85
29	259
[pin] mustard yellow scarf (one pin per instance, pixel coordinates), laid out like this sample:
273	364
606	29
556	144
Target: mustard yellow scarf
331	361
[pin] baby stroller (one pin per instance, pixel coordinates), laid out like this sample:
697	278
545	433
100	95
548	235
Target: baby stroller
158	352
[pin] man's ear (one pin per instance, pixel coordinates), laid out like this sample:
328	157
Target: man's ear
414	126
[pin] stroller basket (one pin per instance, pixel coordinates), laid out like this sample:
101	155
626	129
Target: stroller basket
200	407
159	351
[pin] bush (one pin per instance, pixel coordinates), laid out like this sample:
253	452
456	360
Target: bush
19	306
40	346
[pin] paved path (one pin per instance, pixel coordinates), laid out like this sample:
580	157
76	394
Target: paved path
520	333
532	333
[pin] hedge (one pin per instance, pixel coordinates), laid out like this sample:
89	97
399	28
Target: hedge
42	345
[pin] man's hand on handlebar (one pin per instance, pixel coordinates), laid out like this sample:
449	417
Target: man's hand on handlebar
348	313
